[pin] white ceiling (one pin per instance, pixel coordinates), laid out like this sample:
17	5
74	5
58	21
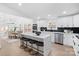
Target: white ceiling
33	10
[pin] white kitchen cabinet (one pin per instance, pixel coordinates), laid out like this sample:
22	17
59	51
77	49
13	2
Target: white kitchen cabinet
52	37
69	21
59	22
68	39
76	20
65	22
42	23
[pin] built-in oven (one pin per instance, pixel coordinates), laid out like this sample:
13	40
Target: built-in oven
34	28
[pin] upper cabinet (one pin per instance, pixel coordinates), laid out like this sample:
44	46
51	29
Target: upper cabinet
68	21
65	22
59	22
76	20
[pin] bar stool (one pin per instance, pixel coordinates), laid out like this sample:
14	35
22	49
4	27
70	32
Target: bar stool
31	50
26	40
22	42
26	46
39	44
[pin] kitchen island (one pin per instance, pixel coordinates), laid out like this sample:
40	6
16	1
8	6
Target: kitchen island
43	37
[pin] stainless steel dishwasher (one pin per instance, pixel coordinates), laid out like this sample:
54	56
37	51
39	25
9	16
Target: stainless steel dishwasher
59	38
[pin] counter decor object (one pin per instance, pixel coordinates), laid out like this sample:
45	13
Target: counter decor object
37	33
52	25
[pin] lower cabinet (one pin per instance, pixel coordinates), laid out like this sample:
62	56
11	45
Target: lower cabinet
52	37
68	39
56	35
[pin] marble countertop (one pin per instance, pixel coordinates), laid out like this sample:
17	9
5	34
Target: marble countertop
42	35
31	35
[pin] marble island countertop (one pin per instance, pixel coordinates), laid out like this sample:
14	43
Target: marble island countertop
41	37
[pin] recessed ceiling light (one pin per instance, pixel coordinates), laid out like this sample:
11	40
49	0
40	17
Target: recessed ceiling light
20	4
64	12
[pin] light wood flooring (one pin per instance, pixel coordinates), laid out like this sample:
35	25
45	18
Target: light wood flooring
9	48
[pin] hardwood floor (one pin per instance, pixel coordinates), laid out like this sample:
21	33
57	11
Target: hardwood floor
11	48
61	50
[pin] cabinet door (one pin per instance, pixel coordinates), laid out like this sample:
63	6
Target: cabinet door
64	22
68	21
68	39
52	37
60	22
76	20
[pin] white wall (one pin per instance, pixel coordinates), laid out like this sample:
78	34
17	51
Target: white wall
7	20
9	15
